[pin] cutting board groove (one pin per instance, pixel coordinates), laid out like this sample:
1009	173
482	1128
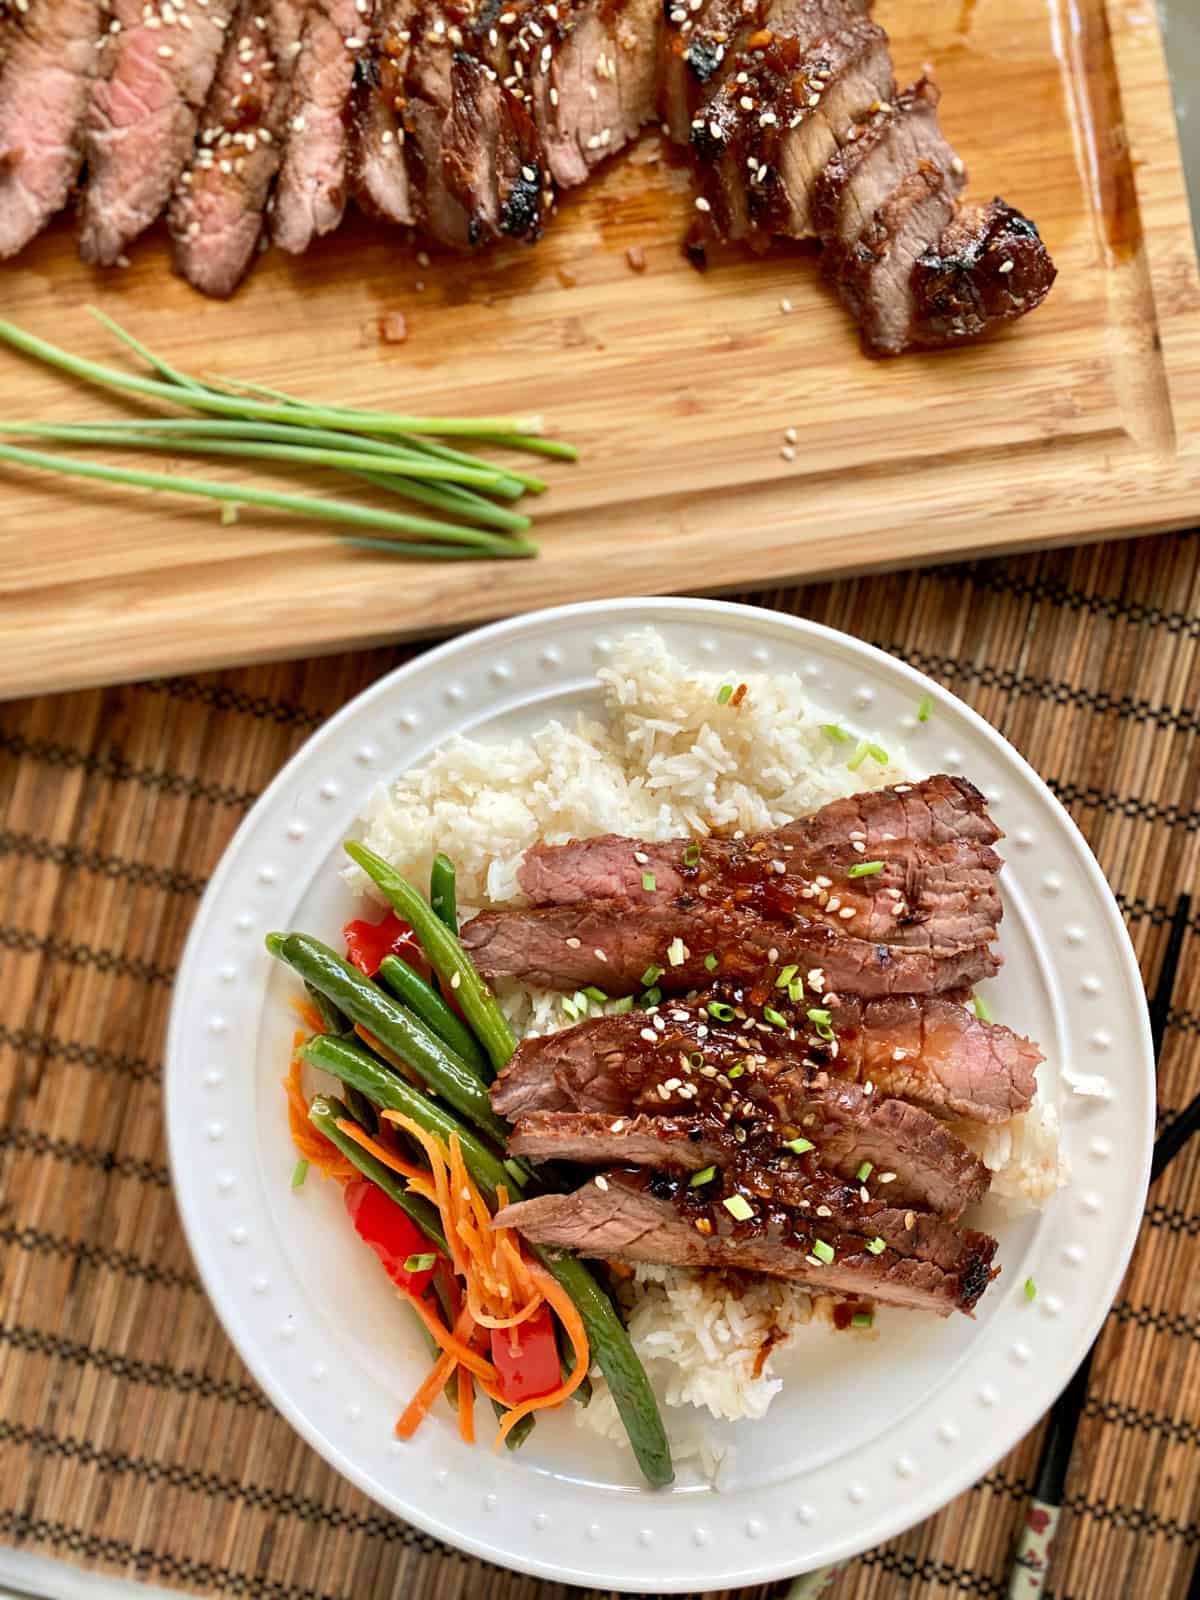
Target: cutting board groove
1082	422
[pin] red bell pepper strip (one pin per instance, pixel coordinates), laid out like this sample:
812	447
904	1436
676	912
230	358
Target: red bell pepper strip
526	1357
368	942
394	1237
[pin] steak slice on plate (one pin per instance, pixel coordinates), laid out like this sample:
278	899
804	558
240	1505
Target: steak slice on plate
45	83
310	192
638	1216
156	69
930	1051
611	943
217	212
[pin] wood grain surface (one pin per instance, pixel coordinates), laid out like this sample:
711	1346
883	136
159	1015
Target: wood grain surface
678	386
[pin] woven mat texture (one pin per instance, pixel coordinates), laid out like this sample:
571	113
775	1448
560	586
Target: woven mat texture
132	1438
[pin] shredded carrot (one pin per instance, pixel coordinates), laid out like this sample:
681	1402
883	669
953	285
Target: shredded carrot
436	1156
382	1155
451	1342
564	1308
466	1406
307	1013
415	1411
316	1149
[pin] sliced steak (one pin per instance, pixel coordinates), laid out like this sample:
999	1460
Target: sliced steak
45	83
611	943
786	104
491	155
155	73
637	1216
935	890
590	71
879	154
930	1051
988	267
217	213
379	171
693	44
310	193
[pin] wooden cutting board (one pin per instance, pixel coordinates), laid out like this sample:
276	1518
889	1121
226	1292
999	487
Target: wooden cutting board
1081	422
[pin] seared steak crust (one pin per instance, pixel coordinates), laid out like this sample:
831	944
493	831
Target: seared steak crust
988	267
637	1216
156	70
45	81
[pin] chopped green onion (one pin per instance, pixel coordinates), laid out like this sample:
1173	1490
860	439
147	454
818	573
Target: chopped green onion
698	1178
924	708
651	997
649	882
865	869
879	754
774	1017
580	1000
862	1319
981	1008
724	694
623	1005
865	1171
738	1207
796	990
421	1263
677	952
786	976
1030	1289
711	963
736	1070
800	1146
859	756
598	995
696	1060
299	1173
651	976
691	856
832	731
719	1010
821	1022
822	1251
876	1246
569	1006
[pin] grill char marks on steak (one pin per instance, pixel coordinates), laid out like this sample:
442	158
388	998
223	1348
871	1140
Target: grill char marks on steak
310	193
217	213
936	890
930	1051
637	1216
988	267
155	73
784	107
45	82
378	168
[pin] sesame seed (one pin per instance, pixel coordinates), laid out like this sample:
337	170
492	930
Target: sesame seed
602	1184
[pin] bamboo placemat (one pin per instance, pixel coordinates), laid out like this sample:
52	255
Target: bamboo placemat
133	1439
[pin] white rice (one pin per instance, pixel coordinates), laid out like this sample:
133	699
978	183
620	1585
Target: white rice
666	759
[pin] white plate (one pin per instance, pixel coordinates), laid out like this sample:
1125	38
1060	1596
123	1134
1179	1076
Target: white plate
868	1437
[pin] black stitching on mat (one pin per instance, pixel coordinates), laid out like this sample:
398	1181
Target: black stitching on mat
35	1142
939	1572
259	1497
82	955
94	1255
201	1574
1174	1323
175	783
1098	1510
31	848
1130	1417
996	579
1124	805
1155	912
1173	1219
1055	691
155	1374
220	697
45	1046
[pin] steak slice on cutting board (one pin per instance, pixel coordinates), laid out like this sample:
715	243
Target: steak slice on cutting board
156	69
640	1216
45	83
